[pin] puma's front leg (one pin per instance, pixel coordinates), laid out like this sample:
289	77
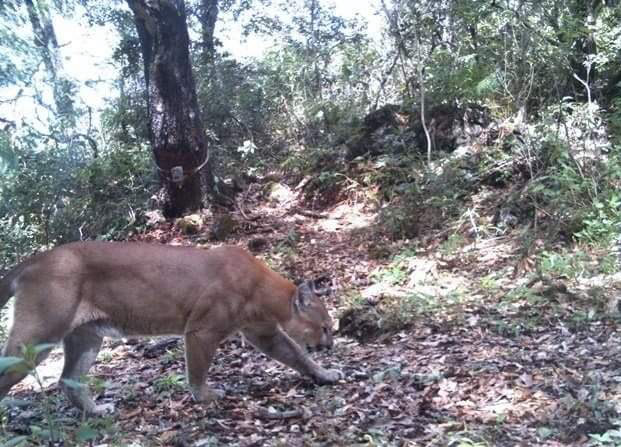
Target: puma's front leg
200	348
278	345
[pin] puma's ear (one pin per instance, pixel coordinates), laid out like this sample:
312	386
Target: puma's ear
308	290
303	296
321	285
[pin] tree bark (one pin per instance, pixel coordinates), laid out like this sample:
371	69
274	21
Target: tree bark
45	40
175	128
208	15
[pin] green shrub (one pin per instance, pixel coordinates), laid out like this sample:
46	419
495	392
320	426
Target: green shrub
575	173
55	196
602	222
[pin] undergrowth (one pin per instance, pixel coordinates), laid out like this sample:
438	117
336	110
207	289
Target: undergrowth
51	198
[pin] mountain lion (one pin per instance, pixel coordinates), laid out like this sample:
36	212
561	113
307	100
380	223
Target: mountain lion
80	292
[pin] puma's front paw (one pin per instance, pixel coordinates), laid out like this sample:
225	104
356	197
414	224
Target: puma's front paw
205	395
328	376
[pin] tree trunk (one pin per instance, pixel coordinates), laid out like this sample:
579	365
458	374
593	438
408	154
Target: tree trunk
45	40
175	129
208	15
585	47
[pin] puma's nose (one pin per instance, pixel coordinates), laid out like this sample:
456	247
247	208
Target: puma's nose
326	346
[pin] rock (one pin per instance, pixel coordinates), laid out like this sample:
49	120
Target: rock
378	126
257	244
190	224
154	217
279	192
451	126
613	307
387	115
223	226
394	129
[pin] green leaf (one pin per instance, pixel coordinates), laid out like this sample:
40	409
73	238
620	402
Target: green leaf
43	433
16	403
9	362
31	353
14	442
86	433
73	384
38	349
544	432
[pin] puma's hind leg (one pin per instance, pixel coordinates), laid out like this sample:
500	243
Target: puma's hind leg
35	324
277	344
81	348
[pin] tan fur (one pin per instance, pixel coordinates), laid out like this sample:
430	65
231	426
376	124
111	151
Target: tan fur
79	292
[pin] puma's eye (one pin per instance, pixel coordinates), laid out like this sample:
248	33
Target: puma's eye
326	330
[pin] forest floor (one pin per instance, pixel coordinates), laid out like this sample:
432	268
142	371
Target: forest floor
480	352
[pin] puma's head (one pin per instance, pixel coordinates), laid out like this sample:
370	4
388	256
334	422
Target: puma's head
310	325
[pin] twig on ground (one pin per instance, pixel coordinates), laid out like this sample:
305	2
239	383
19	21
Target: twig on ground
266	413
308	213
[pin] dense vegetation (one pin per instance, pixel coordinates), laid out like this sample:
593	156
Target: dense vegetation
458	123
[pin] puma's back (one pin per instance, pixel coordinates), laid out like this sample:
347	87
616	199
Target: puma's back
152	289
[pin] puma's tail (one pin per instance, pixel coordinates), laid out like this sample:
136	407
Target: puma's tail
6	284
